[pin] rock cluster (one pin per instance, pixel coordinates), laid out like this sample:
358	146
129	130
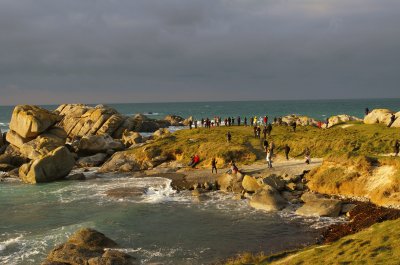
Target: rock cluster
81	120
88	246
338	119
299	120
382	116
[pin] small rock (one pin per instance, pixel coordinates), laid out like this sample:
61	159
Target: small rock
77	176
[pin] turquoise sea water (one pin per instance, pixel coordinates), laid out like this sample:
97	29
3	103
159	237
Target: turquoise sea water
319	109
160	225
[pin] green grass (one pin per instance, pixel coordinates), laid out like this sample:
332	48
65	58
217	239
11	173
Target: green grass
357	140
379	244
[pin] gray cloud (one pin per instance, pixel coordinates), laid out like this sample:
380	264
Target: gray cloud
176	50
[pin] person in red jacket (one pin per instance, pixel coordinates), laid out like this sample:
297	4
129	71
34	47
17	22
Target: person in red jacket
195	161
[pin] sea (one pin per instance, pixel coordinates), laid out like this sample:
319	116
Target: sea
161	226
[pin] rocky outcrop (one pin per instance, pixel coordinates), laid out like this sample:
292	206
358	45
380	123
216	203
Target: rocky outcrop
268	199
230	182
174	120
122	162
250	184
30	121
131	138
378	116
55	165
338	119
82	120
396	123
299	120
99	143
90	247
317	205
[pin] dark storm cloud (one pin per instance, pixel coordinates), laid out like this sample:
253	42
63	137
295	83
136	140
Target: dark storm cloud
174	50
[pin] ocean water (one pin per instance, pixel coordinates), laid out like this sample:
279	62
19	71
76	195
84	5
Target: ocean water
318	109
157	226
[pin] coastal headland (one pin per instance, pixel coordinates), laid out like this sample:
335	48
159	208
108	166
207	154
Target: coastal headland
353	170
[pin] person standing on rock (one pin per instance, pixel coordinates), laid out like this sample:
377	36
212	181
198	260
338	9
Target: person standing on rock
269	158
366	111
287	150
229	137
396	148
392	119
214	166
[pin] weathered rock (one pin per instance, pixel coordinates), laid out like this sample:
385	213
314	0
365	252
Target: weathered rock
6	167
268	199
56	165
15	139
299	120
188	120
396	123
338	119
92	161
250	184
161	132
347	207
99	143
87	246
42	145
174	120
274	181
378	116
14	160
318	205
131	138
29	121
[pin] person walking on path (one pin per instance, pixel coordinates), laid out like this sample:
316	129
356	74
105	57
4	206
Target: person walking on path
258	132
265	132
265	145
214	166
308	155
287	150
255	131
269	158
272	148
392	119
229	137
396	148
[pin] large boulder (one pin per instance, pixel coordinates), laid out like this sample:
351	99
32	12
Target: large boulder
268	199
378	116
29	121
318	205
338	119
90	247
16	140
55	165
174	120
44	143
396	123
230	182
99	143
250	184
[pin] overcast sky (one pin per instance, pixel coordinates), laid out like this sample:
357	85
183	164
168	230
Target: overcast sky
55	51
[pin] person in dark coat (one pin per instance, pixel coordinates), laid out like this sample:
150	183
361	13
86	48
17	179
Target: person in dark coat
294	126
287	150
214	166
229	137
396	148
366	111
245	121
265	145
255	131
258	132
264	131
238	120
269	129
392	119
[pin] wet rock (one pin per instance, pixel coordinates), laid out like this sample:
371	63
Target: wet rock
268	199
230	182
77	176
126	192
317	205
87	246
